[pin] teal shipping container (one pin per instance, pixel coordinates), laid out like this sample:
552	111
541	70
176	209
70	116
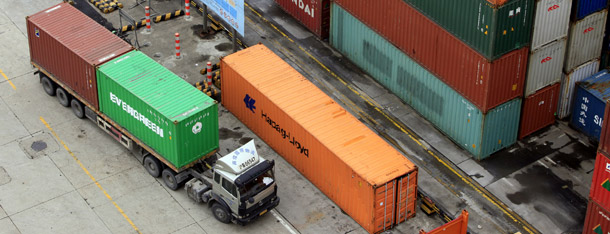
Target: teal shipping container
492	29
159	108
480	134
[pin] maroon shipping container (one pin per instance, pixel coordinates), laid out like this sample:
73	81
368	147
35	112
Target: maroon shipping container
68	45
313	14
597	220
539	110
604	139
600	187
485	83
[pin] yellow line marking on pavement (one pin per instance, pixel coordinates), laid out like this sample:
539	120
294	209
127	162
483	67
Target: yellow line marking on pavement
90	176
376	106
9	81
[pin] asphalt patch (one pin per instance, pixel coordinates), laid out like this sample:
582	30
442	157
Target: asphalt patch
225	133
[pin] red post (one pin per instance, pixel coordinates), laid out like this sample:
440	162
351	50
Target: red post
147	13
209	74
177	45
187	9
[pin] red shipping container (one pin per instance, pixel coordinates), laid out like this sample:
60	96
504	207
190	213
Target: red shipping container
604	139
539	110
485	83
597	220
600	187
313	14
456	226
67	45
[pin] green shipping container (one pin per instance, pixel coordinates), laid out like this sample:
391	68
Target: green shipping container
490	29
480	134
159	108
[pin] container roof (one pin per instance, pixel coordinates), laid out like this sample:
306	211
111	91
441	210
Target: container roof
354	143
598	85
79	33
154	84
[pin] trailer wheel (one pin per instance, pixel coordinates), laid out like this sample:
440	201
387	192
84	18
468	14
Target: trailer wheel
63	97
221	213
48	85
153	166
77	108
169	178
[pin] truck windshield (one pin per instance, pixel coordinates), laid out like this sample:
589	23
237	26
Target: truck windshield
256	185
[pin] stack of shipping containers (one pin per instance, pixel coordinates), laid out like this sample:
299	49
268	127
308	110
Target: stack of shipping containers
584	47
597	218
462	69
547	50
590	97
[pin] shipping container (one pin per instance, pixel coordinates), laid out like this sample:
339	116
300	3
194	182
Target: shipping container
314	14
365	176
600	187
551	21
159	108
604	138
492	28
597	220
456	226
484	83
545	65
590	99
68	45
538	110
586	38
583	8
479	133
568	84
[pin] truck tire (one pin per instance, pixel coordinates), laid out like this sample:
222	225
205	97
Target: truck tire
153	166
221	213
48	85
77	108
169	178
63	97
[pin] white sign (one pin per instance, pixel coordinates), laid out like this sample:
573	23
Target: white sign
231	11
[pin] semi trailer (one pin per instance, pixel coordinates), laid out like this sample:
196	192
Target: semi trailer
168	125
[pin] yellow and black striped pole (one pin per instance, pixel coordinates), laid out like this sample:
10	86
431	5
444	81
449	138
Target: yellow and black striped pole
168	16
131	27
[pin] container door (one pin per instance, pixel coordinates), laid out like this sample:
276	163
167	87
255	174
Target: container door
406	197
385	199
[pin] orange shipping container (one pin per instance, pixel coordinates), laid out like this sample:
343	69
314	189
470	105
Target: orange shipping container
365	176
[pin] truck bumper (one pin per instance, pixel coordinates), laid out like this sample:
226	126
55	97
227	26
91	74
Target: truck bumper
258	212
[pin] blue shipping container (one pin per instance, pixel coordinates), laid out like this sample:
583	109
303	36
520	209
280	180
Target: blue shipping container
583	8
478	133
590	103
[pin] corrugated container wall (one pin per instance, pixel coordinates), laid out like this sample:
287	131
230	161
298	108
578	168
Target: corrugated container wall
586	38
568	84
457	226
314	14
583	8
69	45
590	104
597	220
479	133
551	21
538	110
347	161
158	107
545	65
492	30
484	83
600	187
604	139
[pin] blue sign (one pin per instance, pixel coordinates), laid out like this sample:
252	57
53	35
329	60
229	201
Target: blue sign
249	103
231	11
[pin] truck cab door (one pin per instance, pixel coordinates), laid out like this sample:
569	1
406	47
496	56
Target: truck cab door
229	194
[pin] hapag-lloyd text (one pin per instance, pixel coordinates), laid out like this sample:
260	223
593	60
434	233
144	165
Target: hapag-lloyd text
285	134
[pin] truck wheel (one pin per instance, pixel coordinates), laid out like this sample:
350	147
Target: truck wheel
48	85
221	213
77	108
63	97
153	166
169	178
